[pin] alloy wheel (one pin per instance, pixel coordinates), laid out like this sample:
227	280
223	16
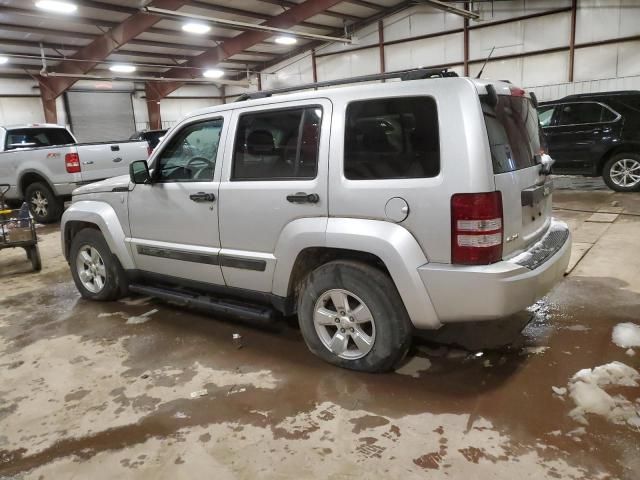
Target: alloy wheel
344	324
91	269
625	172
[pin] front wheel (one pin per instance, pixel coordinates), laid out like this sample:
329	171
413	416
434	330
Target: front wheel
622	172
351	315
95	270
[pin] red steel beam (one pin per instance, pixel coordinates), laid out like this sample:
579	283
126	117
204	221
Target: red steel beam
100	48
572	39
236	45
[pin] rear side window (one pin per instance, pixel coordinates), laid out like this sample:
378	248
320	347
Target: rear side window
37	137
585	112
514	133
544	115
392	138
277	145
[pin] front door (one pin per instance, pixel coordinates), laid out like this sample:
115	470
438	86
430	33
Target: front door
174	220
275	172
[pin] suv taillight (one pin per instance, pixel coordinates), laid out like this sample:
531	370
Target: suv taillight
72	162
476	228
149	150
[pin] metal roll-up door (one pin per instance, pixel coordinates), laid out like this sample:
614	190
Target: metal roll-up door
101	116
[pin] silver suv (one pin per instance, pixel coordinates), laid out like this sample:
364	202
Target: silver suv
366	210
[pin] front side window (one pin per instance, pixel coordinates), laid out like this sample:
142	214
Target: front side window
544	115
277	144
191	155
586	112
392	138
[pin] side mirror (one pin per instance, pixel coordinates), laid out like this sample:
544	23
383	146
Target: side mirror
139	172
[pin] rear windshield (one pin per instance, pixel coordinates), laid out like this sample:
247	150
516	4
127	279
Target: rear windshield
514	133
37	137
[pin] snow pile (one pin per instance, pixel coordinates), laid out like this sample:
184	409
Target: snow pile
626	335
586	389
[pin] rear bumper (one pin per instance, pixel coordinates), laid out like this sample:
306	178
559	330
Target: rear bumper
461	293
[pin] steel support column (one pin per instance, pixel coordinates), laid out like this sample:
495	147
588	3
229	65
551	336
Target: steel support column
383	67
572	39
314	68
153	107
465	37
50	110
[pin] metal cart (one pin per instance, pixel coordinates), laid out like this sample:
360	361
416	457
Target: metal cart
17	229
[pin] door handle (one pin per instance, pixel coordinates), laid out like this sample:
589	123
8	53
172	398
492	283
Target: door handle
302	197
117	159
89	162
202	197
115	148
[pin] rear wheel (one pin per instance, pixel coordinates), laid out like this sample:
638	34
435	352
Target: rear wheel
44	205
352	316
95	270
622	172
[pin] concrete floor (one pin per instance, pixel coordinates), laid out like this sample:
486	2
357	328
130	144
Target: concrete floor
140	389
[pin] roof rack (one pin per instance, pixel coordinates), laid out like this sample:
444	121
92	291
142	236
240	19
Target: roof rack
404	75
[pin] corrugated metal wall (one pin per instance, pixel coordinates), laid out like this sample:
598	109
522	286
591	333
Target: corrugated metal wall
612	66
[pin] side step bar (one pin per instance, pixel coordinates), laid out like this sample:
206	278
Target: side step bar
256	314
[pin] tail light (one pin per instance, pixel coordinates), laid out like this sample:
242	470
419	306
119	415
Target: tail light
72	162
476	228
149	150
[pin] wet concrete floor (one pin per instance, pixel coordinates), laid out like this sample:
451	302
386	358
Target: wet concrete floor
140	389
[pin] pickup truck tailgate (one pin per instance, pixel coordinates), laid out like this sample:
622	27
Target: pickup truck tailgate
103	160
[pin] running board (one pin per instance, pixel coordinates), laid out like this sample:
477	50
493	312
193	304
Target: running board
255	314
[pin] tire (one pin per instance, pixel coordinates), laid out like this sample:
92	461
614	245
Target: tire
389	331
112	282
33	254
43	204
621	172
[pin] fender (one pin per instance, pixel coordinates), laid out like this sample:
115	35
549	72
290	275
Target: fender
105	218
22	173
390	242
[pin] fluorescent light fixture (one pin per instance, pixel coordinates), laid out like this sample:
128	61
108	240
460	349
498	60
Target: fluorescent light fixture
56	6
199	28
122	68
286	40
3	60
213	73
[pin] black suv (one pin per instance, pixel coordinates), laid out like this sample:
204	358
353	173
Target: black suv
595	134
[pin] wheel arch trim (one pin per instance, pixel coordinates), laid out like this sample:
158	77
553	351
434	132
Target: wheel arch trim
104	217
391	243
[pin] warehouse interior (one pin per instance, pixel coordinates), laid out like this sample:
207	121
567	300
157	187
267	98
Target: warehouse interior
138	387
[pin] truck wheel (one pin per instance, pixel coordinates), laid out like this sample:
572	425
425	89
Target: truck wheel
622	172
352	316
95	270
44	205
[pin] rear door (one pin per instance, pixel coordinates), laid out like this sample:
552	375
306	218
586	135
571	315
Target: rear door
576	135
275	172
103	160
514	138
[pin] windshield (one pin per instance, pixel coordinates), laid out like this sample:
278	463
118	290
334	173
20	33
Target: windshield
514	133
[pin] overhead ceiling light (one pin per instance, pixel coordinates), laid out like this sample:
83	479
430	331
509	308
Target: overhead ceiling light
122	68
286	40
198	28
213	73
3	60
56	6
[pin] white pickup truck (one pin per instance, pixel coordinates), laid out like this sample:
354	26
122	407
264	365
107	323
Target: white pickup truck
43	163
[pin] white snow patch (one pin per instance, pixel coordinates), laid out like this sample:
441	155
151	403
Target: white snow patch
533	350
631	352
587	392
414	366
112	314
626	335
559	390
577	328
145	317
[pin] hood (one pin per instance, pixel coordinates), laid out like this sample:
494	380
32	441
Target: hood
120	183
